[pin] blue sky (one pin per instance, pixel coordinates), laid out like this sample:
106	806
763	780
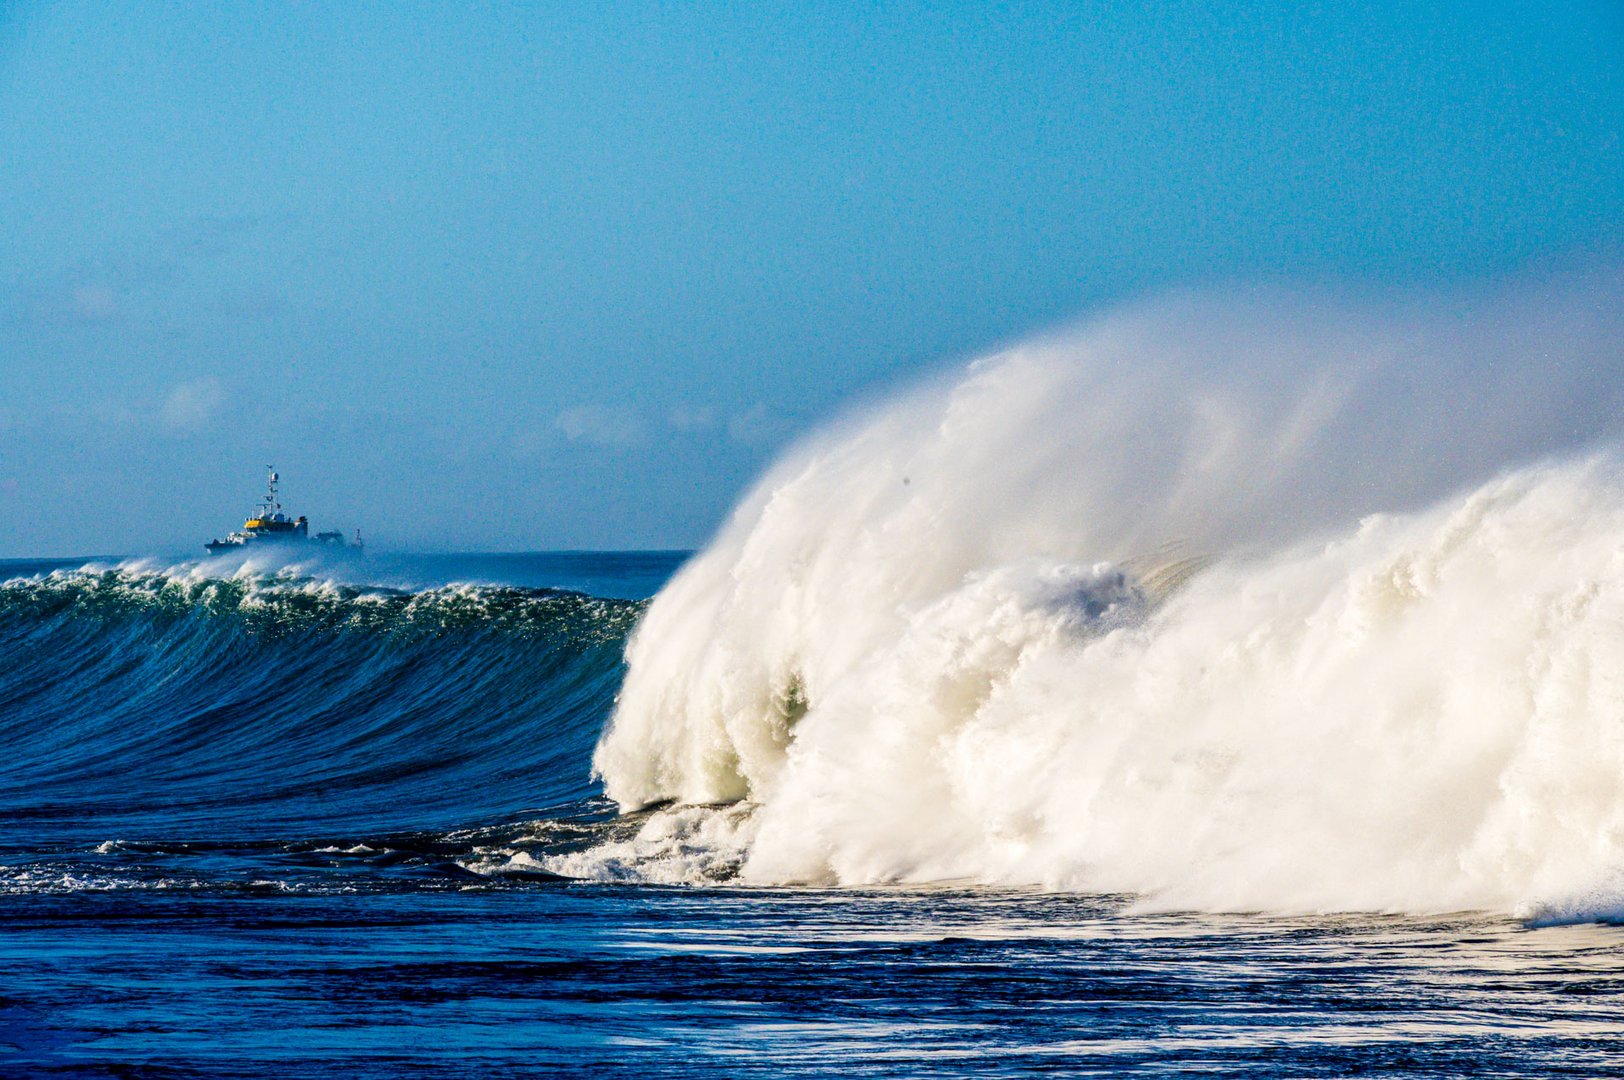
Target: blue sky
493	277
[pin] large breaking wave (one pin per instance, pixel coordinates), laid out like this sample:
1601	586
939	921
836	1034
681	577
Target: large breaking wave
1221	606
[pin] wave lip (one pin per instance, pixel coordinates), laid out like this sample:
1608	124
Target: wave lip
1243	624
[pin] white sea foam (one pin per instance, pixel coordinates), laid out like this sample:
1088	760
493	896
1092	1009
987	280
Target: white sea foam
687	845
1225	608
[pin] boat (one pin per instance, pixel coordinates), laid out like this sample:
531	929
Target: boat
267	524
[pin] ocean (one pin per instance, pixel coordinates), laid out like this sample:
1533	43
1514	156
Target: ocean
263	822
1232	689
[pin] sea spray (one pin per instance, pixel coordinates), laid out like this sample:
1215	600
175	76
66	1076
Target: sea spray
959	636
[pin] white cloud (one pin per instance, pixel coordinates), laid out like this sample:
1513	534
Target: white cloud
192	405
693	418
600	425
758	425
63	301
93	303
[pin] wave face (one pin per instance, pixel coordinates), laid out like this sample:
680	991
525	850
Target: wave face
1228	609
166	702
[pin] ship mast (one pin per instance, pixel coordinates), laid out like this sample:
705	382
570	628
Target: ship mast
272	506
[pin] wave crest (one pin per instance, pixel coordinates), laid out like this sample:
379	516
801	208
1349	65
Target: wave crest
288	601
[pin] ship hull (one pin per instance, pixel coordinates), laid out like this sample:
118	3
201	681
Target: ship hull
215	547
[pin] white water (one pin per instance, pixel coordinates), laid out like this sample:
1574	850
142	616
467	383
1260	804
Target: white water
1227	608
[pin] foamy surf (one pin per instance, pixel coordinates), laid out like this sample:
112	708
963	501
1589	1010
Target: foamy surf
1228	610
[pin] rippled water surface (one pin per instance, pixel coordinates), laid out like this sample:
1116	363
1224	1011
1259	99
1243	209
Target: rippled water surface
378	975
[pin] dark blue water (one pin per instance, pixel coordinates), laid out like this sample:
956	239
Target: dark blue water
296	821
